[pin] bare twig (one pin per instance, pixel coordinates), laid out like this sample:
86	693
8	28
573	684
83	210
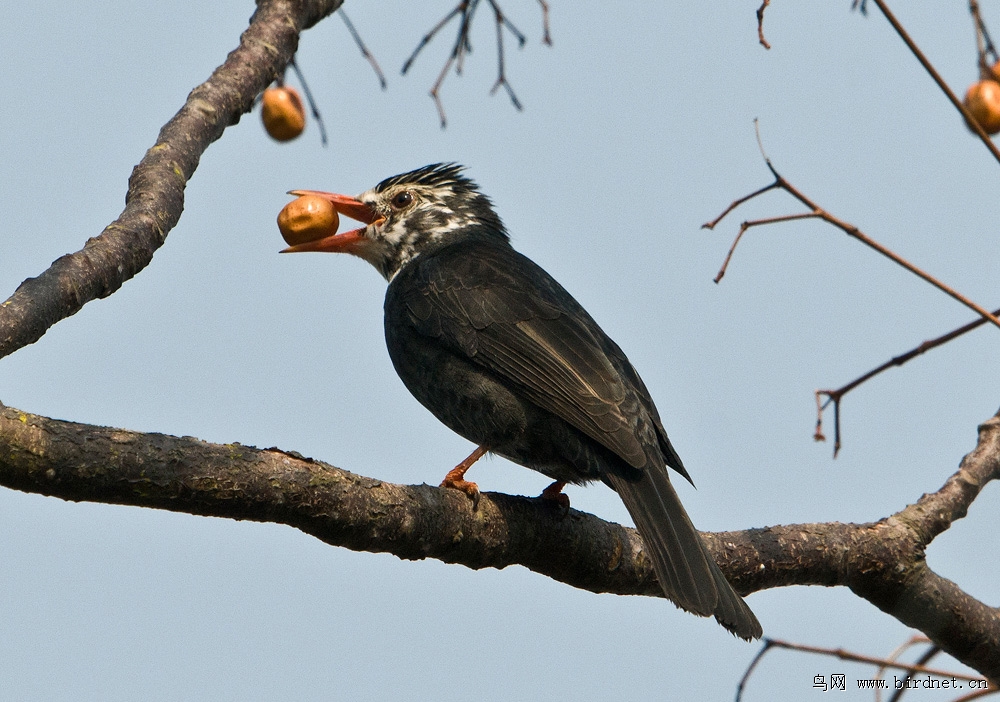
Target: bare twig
768	644
984	44
757	223
736	203
817	212
546	37
502	22
844	655
466	10
896	653
760	24
930	653
834	396
462	6
364	49
313	107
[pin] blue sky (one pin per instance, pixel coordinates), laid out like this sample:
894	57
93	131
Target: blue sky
637	128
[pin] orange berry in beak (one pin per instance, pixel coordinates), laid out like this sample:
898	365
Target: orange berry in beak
282	112
307	218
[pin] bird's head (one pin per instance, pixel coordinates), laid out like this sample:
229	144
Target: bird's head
408	214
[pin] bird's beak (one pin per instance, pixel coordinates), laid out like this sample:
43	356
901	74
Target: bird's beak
344	242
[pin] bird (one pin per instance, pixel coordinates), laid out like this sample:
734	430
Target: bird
503	355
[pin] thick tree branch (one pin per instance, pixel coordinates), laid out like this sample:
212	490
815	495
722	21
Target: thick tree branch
155	195
882	562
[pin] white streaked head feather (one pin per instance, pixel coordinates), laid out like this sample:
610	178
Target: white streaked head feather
440	205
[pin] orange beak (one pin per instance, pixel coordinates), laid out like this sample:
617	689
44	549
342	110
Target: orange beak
344	242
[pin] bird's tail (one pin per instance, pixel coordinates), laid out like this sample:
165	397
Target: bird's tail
686	570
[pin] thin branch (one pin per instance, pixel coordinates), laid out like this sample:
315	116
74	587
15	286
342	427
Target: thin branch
896	653
364	49
768	644
983	42
736	203
814	211
546	37
463	45
462	6
501	18
834	396
930	653
758	223
760	24
311	100
501	22
466	10
155	195
845	655
915	50
852	231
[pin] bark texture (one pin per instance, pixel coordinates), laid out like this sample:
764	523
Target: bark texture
883	562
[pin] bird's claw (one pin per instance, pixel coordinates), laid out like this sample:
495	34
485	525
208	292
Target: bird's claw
466	486
553	495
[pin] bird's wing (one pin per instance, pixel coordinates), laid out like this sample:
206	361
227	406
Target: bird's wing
505	313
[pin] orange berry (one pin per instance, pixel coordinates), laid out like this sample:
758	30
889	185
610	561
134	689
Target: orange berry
307	218
282	112
983	101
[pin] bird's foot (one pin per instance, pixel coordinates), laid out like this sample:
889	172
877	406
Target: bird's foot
554	495
466	486
455	481
456	477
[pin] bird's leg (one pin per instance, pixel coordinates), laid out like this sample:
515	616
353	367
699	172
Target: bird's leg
456	476
553	494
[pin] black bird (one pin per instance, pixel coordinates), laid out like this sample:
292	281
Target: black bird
496	349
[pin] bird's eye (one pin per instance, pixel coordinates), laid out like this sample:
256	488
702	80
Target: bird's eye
402	199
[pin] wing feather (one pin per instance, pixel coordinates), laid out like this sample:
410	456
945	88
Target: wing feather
511	317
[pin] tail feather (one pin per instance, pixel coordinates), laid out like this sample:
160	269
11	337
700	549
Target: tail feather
686	570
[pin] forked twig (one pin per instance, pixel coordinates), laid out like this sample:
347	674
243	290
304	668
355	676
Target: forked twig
756	223
930	653
916	640
546	37
461	7
834	396
844	655
817	212
984	44
466	10
502	22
